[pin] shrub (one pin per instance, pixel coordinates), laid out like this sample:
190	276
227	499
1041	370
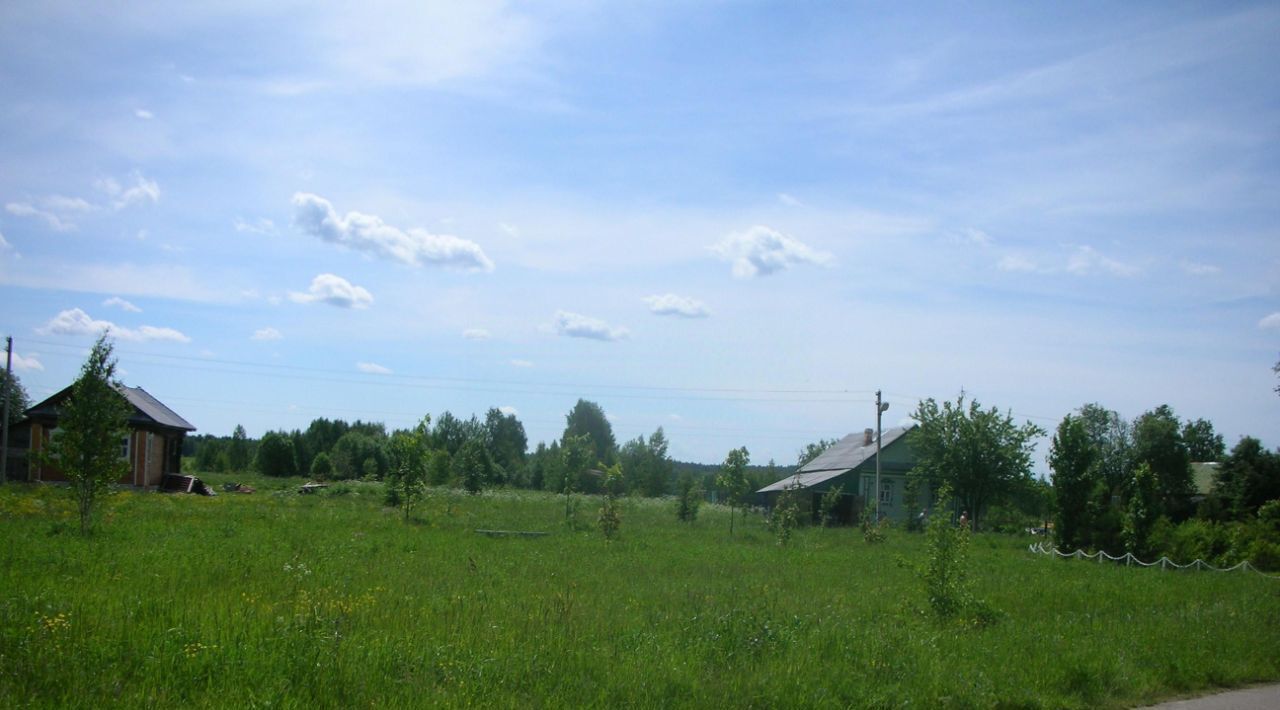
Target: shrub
873	530
785	516
690	498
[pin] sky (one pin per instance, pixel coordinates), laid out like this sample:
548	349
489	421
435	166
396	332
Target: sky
732	220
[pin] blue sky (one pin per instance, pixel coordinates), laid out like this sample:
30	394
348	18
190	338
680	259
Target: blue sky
732	220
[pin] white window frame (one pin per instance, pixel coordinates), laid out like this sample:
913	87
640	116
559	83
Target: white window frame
886	492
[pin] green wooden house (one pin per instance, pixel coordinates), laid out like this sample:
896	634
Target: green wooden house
850	464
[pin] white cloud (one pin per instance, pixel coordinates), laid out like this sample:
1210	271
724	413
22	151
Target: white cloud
789	200
475	334
121	304
509	410
4	244
30	362
574	325
267	333
509	229
760	251
26	209
144	114
971	236
122	196
521	363
1198	269
670	304
315	215
77	322
1014	262
372	368
334	290
1087	260
262	225
1271	321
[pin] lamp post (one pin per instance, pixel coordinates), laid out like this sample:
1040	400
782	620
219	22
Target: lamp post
880	409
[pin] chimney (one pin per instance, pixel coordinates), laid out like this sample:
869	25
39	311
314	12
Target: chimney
868	437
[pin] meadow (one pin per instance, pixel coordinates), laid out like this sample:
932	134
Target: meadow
277	599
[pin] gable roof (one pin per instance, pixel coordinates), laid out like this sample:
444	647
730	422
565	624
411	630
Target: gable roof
841	457
146	409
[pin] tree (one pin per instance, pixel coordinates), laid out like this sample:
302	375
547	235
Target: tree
275	455
689	498
91	425
472	466
238	450
1247	479
1143	510
1157	442
575	461
1074	464
610	519
505	438
588	418
353	450
982	454
732	480
646	466
1203	444
1111	438
407	466
321	466
451	433
813	450
18	400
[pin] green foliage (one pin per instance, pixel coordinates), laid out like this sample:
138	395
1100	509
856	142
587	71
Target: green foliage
91	424
1073	460
873	529
981	454
472	466
785	516
1203	443
321	466
1143	510
610	518
451	433
351	452
813	450
732	481
238	451
688	498
946	573
1157	442
646	466
828	504
407	455
588	419
1247	479
505	439
12	388
439	468
275	455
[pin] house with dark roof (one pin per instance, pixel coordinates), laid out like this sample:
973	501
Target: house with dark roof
153	446
850	464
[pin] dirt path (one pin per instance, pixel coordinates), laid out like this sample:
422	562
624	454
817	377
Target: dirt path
1262	697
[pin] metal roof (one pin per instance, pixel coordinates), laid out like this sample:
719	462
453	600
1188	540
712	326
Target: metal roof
155	409
840	458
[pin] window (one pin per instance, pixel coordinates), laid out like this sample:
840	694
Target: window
886	493
124	447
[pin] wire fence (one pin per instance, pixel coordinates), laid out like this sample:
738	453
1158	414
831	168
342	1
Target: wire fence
1129	560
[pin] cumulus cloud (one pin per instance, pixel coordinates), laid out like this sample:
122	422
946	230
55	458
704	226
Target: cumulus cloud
574	325
77	322
140	190
121	304
30	362
475	334
1198	269
760	251
1087	260
509	410
372	368
144	114
335	291
669	304
266	334
521	363
1271	321
315	215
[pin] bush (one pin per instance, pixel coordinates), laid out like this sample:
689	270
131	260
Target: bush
873	530
321	466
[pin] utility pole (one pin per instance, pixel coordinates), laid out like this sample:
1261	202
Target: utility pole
8	387
880	409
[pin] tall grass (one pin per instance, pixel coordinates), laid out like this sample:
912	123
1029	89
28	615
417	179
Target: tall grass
284	600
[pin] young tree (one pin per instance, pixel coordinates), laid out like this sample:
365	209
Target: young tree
732	480
407	466
828	504
575	460
90	427
472	466
610	519
588	418
1143	510
238	450
1073	460
505	438
321	466
813	450
689	498
982	454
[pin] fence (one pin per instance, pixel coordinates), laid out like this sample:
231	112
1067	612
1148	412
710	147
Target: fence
1128	558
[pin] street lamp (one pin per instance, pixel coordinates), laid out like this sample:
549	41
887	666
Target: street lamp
881	408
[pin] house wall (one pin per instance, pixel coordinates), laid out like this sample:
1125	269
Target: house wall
138	475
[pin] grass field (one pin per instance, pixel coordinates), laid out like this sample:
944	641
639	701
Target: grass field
282	600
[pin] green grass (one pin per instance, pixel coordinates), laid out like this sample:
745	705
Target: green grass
330	600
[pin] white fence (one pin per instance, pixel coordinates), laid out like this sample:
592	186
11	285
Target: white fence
1164	562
